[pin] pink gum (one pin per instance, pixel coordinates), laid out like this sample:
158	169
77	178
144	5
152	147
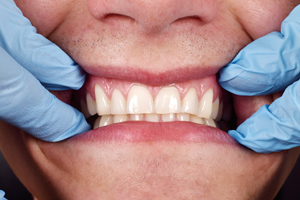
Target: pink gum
108	85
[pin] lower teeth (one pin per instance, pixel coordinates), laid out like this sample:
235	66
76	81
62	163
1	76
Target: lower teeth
111	119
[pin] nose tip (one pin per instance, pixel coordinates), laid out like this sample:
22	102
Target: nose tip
155	15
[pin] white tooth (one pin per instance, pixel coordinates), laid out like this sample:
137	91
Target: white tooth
167	101
118	103
91	104
103	103
152	117
190	103
168	117
139	100
210	122
84	109
106	120
97	123
120	118
215	108
196	119
183	117
220	113
137	117
205	106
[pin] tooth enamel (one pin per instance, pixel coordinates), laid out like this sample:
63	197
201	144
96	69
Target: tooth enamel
196	119
137	117
210	122
190	103
120	118
183	117
106	120
118	103
205	105
139	100
84	109
91	105
152	117
215	108
167	101
168	117
97	123
103	103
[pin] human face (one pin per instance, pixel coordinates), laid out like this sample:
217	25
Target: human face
151	43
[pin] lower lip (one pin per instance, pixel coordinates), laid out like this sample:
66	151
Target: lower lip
162	131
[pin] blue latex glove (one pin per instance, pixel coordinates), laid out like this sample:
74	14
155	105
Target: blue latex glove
29	63
2	193
265	66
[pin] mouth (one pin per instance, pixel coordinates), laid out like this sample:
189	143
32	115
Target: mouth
197	110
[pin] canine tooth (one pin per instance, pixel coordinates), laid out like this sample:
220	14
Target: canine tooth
167	101
210	122
220	113
91	104
190	103
103	104
106	120
152	117
120	118
118	103
205	106
137	117
196	119
139	100
183	117
215	108
84	109
168	117
97	123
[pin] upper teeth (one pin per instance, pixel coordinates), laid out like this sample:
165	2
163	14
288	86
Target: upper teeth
166	106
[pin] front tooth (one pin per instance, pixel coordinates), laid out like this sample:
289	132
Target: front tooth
190	103
139	100
91	104
97	123
103	104
84	109
137	117
183	117
196	119
168	117
167	101
106	120
152	117
205	105
210	122
120	118
215	108
118	103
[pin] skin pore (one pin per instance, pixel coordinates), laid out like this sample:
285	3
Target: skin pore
154	43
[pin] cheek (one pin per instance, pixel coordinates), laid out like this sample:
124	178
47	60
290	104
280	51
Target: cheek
45	15
259	18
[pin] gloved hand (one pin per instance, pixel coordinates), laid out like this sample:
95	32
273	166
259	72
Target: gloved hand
2	193
29	63
265	66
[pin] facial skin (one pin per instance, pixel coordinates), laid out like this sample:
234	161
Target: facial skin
152	42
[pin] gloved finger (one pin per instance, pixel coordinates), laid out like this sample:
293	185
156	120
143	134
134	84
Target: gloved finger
267	65
2	193
26	104
273	128
46	61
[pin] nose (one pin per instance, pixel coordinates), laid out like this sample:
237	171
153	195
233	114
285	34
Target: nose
155	15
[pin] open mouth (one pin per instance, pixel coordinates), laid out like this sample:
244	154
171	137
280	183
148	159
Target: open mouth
175	109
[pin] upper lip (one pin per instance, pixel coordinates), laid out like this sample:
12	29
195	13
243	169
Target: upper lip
164	77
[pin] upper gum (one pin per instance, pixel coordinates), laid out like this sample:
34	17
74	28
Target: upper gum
108	85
